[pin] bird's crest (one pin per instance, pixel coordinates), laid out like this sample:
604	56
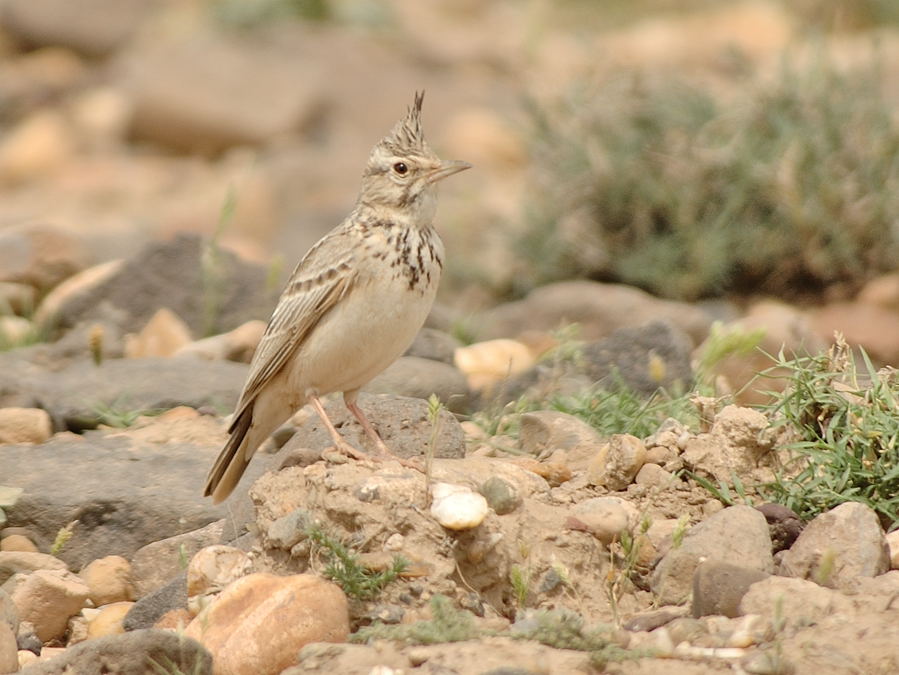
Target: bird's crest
407	136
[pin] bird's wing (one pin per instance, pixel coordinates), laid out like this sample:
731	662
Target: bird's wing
318	283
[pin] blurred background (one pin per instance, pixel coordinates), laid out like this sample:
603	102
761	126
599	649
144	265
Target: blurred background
696	149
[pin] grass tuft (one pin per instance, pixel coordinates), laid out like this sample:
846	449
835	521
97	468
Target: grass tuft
344	568
842	427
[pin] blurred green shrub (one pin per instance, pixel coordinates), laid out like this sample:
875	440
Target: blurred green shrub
243	14
785	188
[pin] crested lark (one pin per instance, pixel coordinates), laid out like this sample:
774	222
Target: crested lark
353	304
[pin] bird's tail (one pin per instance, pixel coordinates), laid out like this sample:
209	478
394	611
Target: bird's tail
232	461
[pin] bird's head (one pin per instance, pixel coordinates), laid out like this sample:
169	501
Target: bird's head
402	171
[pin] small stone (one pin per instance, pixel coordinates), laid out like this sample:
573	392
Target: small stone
17	542
719	587
456	507
16	562
838	546
236	345
163	335
616	464
24	425
27	639
260	622
47	598
652	475
15	330
606	518
27	658
211	570
546	432
109	580
893	544
36	146
501	495
783	524
108	620
736	535
77	630
286	531
485	364
157	563
147	611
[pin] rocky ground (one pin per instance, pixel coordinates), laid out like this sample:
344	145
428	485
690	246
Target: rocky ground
533	544
133	291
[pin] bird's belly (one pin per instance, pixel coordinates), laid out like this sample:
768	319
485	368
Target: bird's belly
363	334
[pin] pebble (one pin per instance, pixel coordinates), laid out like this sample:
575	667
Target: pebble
47	598
17	542
24	425
893	544
109	580
501	495
211	570
616	464
260	622
604	517
485	364
457	507
108	620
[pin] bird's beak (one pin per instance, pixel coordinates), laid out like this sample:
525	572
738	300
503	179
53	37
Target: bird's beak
447	168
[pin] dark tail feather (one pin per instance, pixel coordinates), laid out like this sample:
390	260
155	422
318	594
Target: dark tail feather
231	463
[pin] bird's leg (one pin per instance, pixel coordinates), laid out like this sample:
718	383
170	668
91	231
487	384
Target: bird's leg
339	441
353	407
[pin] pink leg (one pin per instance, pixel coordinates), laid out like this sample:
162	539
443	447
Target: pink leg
339	442
353	407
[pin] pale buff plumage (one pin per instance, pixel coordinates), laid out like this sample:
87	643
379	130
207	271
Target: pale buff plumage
353	304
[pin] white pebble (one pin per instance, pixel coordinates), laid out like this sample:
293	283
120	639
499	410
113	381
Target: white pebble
457	507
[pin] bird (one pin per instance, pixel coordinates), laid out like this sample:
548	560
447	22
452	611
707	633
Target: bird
353	304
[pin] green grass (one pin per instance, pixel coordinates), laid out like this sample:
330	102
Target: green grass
561	629
786	188
343	567
842	424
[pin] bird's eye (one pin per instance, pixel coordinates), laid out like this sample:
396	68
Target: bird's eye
400	168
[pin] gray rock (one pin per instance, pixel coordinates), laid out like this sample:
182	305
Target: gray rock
402	423
130	654
77	395
435	345
93	27
783	524
643	358
646	357
838	546
719	587
736	535
170	274
802	602
210	92
288	530
148	610
600	309
501	495
543	432
155	564
416	377
656	618
123	493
